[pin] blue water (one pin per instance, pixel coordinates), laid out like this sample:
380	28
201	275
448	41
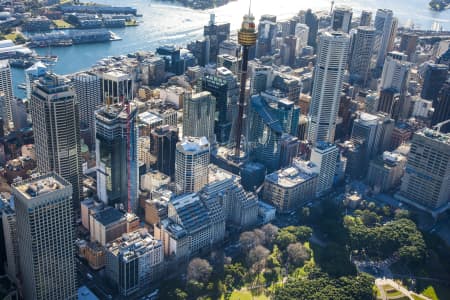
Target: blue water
170	24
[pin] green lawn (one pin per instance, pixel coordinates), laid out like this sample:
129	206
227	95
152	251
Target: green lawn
246	295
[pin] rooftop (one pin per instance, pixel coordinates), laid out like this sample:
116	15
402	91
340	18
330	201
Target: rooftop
134	244
193	144
289	177
435	135
40	186
109	216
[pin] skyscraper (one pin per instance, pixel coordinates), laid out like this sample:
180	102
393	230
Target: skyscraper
442	107
427	176
362	54
45	229
55	116
214	34
384	20
367	130
366	18
341	19
198	115
433	79
191	164
328	76
87	89
301	33
267	31
163	143
223	87
396	72
116	155
313	23
116	86
6	89
408	43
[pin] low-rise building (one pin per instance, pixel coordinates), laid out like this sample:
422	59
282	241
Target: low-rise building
385	172
107	225
289	188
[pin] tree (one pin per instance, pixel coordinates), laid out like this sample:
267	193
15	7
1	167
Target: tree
303	233
270	232
248	240
298	254
285	238
257	258
199	270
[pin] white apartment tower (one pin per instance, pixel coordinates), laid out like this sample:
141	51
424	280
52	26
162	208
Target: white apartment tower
191	164
54	112
45	229
325	155
328	76
198	115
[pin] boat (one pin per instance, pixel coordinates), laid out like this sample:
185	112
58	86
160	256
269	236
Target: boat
22	86
47	58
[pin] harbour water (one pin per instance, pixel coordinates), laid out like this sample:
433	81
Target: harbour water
164	23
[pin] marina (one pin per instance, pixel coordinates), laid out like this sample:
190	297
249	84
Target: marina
71	37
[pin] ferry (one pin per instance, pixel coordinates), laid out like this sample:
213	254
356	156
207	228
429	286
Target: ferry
22	86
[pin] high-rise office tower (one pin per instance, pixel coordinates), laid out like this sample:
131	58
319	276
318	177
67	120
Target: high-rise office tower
223	87
384	21
288	50
215	34
116	86
267	31
427	176
199	114
325	156
442	107
45	229
6	89
55	116
116	155
366	18
191	164
341	19
313	23
362	54
246	38
87	88
265	132
367	130
328	76
433	79
163	143
396	71
408	43
301	33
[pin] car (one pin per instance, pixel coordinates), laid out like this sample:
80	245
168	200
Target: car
89	276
